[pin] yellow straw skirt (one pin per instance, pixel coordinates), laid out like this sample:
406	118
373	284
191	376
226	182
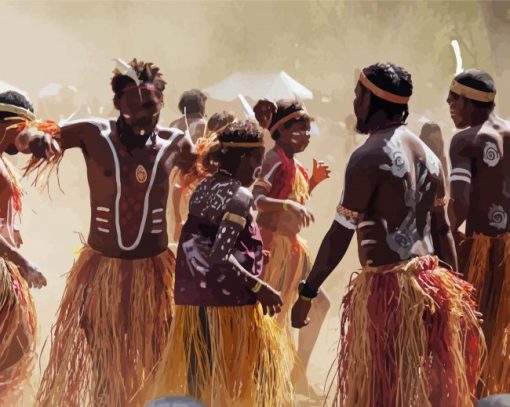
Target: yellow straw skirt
17	334
289	263
227	357
409	338
488	269
112	326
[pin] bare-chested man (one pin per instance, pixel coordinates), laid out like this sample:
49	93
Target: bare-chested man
480	195
409	334
281	193
114	318
17	313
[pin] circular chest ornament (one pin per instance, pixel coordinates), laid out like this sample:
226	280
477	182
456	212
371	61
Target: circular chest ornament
141	174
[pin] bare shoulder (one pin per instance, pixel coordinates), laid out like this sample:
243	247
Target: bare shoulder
241	202
92	126
271	157
170	133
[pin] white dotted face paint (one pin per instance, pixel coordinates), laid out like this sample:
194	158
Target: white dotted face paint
126	116
142	133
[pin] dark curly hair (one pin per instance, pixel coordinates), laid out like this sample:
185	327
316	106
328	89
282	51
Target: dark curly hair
390	78
219	120
14	99
194	102
228	158
284	108
479	80
146	72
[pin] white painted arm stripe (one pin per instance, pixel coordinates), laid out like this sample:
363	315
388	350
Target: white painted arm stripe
157	220
268	175
102	220
103	209
460	178
366	223
344	222
367	242
461	171
157	210
155	231
104	230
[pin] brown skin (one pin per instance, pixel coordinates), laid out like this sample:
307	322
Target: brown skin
379	197
240	204
8	249
139	113
289	217
287	214
490	184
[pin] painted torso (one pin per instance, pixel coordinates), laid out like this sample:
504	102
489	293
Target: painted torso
128	192
405	178
487	148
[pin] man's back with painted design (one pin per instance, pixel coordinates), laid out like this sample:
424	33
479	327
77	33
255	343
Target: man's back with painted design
393	181
478	157
128	188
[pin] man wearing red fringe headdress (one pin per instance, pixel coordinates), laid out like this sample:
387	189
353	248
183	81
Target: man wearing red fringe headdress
18	323
480	195
409	333
114	318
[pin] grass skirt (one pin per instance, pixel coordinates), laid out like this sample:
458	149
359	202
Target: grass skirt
112	325
409	337
289	263
227	357
17	334
488	269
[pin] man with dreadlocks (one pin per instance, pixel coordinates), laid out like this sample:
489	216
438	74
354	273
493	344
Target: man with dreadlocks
409	333
281	192
115	315
187	182
480	196
17	274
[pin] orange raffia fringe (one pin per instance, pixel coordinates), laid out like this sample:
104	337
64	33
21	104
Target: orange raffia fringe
112	326
187	182
41	167
238	356
17	191
409	338
489	271
17	334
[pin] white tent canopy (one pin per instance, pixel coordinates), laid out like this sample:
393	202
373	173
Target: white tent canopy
270	85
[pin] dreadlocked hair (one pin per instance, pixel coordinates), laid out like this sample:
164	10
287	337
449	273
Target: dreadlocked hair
146	72
229	158
479	80
390	78
14	99
284	108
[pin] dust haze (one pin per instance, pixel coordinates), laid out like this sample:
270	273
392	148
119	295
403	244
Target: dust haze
320	44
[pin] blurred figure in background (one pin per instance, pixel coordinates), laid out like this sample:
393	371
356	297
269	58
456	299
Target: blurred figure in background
185	184
432	136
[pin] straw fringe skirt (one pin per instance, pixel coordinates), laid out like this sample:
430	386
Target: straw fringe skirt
112	325
409	337
289	263
227	357
488	269
17	334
